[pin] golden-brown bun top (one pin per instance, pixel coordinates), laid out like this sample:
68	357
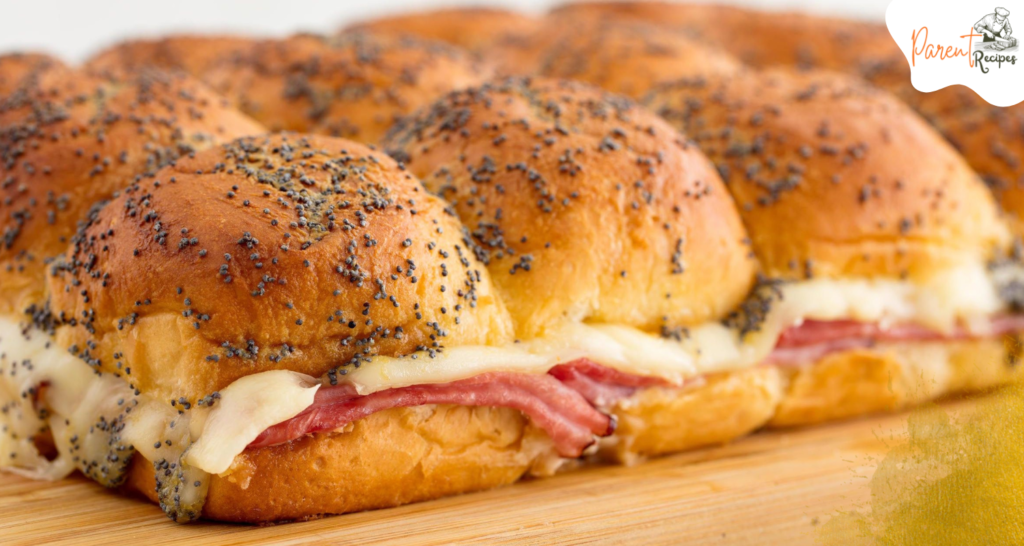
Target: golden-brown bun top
194	54
352	85
833	177
619	56
19	70
759	38
274	252
473	28
73	140
588	206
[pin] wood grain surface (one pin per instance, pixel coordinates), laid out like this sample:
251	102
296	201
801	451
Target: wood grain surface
771	488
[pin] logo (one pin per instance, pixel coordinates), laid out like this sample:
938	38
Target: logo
947	43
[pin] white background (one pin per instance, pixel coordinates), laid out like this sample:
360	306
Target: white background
74	29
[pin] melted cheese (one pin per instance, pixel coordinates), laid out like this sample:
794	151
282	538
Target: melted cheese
964	295
246	408
77	398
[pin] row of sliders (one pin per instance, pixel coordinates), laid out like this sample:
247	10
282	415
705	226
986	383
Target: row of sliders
462	266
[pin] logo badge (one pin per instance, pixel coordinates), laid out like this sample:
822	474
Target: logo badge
950	43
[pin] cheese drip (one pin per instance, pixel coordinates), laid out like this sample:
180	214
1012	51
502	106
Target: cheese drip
97	421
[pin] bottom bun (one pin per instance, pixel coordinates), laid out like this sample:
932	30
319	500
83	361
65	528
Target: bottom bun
893	377
390	458
841	385
406	455
724	407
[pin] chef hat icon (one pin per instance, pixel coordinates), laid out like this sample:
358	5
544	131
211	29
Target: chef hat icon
1002	12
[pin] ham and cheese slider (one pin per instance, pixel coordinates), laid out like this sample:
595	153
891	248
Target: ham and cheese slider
878	236
283	307
67	141
352	85
611	239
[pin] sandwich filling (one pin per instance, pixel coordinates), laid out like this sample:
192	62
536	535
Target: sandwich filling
563	382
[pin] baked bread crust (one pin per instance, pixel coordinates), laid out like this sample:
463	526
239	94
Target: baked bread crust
192	53
18	70
290	252
352	85
619	56
862	185
588	206
69	140
473	29
393	457
757	38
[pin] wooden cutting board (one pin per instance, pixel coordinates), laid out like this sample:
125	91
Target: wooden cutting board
772	488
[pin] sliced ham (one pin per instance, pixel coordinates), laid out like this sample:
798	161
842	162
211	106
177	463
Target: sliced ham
563	402
600	385
814	339
566	415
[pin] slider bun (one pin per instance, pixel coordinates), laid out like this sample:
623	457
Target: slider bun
352	85
473	29
834	178
989	137
194	54
839	386
621	57
587	206
392	457
68	140
717	410
301	253
859	382
759	38
18	70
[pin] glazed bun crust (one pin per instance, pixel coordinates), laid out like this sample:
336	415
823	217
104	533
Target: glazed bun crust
588	206
352	85
194	54
759	38
473	29
18	70
69	140
621	57
989	138
281	252
834	178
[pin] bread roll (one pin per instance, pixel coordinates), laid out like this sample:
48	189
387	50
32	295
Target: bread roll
588	207
618	56
473	29
70	140
353	85
308	254
986	135
191	53
283	243
758	38
863	186
390	458
19	70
